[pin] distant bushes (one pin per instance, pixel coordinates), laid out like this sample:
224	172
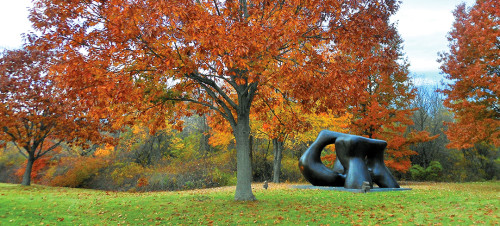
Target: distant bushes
202	173
431	173
105	174
10	162
263	169
74	172
290	170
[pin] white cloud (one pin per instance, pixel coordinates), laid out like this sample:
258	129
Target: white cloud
424	24
13	22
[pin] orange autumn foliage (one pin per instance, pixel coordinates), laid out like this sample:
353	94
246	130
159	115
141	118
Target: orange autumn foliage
472	65
142	182
329	159
76	171
275	117
221	134
104	151
36	112
38	166
323	120
383	110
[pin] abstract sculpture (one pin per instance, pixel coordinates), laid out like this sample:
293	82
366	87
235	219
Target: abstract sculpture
359	159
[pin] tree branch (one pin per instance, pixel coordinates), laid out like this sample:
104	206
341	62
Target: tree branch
48	150
228	115
211	83
19	149
216	7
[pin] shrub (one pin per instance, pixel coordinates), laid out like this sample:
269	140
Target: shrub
159	181
221	178
126	174
142	182
182	175
417	173
75	171
434	171
431	173
10	163
290	170
262	168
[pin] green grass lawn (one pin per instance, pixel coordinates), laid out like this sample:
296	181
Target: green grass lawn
427	203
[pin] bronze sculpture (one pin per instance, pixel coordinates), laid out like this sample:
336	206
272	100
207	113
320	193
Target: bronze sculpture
359	159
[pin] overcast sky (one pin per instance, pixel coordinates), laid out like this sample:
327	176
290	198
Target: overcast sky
423	24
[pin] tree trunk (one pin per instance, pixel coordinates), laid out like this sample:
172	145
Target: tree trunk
244	163
278	155
27	173
250	141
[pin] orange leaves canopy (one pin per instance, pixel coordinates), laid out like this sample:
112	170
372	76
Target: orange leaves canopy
473	66
383	111
34	109
205	52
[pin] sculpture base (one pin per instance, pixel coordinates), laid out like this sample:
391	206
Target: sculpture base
374	189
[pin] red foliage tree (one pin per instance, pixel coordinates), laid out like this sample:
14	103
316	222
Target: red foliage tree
473	66
36	115
214	55
383	110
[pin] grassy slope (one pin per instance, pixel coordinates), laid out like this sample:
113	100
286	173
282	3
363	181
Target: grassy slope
427	203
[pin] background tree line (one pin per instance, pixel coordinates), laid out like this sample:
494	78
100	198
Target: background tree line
200	156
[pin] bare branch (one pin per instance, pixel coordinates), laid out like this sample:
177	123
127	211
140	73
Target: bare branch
211	83
19	149
48	150
217	7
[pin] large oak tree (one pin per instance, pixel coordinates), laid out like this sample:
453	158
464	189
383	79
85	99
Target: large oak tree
214	55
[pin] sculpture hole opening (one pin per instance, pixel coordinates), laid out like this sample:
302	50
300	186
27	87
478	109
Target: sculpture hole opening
328	156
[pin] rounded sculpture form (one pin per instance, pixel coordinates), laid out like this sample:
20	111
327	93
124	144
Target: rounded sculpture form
359	159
